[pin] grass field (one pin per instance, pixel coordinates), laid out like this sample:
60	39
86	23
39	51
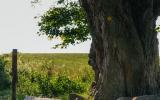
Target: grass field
51	75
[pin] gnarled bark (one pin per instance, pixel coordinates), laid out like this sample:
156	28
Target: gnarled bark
124	51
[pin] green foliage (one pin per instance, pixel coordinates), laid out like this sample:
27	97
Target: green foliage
51	75
68	21
42	85
65	85
4	79
25	84
5	94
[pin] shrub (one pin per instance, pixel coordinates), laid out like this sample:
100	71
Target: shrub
58	85
37	84
4	79
64	85
26	85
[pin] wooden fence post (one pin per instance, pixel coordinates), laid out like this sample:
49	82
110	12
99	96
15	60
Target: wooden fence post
14	73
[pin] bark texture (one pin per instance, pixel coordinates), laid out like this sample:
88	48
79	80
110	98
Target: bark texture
124	49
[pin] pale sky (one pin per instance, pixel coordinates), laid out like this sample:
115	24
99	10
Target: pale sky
18	29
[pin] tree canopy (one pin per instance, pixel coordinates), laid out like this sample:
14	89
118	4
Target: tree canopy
68	21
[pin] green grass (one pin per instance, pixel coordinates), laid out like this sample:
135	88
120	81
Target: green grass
35	70
72	65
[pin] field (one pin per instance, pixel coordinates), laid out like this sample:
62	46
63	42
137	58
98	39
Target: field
50	75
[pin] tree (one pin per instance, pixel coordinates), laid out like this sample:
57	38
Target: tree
124	51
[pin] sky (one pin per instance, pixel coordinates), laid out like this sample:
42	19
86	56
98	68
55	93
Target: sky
18	29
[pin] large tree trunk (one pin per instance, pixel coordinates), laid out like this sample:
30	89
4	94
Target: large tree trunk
124	50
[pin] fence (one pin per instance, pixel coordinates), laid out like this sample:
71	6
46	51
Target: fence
14	73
